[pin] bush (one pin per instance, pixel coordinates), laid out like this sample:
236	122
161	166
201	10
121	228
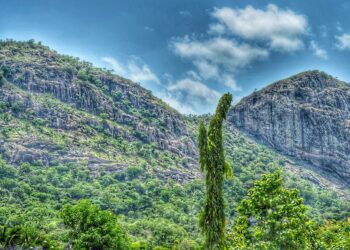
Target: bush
278	215
92	228
134	172
117	96
6	171
24	237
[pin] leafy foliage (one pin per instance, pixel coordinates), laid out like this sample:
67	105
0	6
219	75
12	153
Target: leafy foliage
272	217
92	228
26	237
335	235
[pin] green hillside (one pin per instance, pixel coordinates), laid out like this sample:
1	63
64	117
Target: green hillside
70	131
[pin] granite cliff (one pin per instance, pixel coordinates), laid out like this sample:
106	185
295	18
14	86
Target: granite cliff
306	116
79	102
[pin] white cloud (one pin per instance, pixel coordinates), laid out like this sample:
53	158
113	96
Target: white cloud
240	37
282	29
140	72
135	69
286	44
193	75
218	52
319	52
230	82
191	96
338	27
115	65
178	105
218	58
168	78
206	69
343	42
216	29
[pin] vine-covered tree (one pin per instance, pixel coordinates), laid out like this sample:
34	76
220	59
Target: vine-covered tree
212	162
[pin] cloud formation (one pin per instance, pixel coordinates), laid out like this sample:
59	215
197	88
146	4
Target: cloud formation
319	52
343	41
134	69
281	29
235	39
239	37
219	52
218	58
191	97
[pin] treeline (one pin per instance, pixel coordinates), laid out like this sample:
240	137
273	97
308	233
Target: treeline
270	217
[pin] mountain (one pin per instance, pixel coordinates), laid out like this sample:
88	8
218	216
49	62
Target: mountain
306	116
78	103
71	131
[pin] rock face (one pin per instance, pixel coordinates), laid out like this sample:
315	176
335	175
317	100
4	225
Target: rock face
56	109
306	116
38	70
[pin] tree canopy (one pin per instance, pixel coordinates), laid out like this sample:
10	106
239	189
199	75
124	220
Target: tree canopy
272	217
92	228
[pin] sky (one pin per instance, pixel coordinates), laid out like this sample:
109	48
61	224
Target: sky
190	52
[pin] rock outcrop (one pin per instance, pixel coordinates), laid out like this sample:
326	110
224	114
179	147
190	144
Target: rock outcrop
57	109
38	70
306	116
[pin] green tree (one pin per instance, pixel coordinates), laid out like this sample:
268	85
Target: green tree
212	161
92	228
334	235
24	237
272	217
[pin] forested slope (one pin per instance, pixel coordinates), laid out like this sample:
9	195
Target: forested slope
70	131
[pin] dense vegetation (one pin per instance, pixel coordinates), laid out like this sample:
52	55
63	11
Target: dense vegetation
92	228
272	217
135	205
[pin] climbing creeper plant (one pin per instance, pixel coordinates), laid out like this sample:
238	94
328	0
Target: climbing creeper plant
212	162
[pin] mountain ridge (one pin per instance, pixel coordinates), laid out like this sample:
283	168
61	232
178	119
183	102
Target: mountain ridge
305	116
70	131
110	96
38	70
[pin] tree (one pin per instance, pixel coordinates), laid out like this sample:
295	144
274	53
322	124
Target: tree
92	228
272	217
24	237
334	235
212	162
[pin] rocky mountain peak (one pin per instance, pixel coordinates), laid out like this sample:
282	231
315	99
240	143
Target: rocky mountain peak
306	116
311	79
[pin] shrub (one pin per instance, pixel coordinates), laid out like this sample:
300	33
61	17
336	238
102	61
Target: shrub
134	172
92	228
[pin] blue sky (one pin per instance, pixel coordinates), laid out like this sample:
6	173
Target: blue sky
189	52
